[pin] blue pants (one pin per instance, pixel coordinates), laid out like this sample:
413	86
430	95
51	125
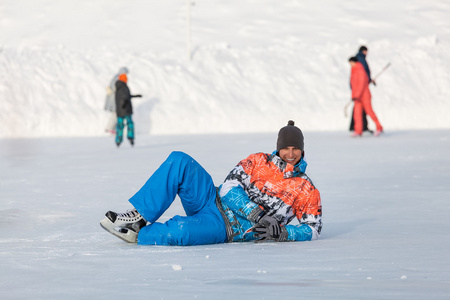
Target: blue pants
121	126
180	175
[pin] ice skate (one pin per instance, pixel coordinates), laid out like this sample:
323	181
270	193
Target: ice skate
125	226
378	132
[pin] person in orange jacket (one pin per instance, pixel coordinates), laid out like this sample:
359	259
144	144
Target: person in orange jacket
359	82
361	56
257	201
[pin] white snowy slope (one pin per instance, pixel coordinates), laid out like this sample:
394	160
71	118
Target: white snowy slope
385	214
254	64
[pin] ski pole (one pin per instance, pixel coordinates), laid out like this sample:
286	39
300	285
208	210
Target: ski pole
382	70
346	106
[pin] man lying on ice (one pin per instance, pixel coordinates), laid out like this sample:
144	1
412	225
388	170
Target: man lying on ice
256	202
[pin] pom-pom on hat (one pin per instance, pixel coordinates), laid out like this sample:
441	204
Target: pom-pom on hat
290	136
123	77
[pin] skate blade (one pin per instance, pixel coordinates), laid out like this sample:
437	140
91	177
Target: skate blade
129	237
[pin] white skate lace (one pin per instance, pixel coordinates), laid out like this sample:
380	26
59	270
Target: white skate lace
130	214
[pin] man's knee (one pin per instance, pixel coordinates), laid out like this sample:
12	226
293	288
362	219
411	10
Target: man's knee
178	156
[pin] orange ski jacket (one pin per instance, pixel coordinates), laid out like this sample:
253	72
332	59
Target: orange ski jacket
264	184
359	82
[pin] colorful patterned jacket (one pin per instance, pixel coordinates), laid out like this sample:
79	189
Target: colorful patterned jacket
265	184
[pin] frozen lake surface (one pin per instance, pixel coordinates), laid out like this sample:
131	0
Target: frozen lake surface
385	213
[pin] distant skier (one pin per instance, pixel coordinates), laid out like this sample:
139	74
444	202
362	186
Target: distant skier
256	202
361	56
124	109
110	102
361	96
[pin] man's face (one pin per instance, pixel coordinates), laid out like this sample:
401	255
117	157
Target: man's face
291	155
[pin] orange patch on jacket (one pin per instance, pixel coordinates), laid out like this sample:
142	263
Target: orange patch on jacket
297	192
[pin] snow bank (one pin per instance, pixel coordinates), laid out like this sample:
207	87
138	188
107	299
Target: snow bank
270	70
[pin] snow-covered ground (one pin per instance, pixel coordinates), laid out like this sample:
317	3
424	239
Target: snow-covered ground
385	214
254	64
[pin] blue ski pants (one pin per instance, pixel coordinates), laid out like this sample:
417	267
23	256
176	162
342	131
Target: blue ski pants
121	126
180	175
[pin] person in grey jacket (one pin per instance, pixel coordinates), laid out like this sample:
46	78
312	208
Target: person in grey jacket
110	102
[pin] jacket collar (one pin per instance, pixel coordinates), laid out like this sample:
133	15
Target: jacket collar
288	169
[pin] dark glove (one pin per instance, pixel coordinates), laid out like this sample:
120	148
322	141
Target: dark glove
268	228
354	99
137	96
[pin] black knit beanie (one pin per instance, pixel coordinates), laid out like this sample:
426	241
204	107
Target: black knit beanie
290	136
